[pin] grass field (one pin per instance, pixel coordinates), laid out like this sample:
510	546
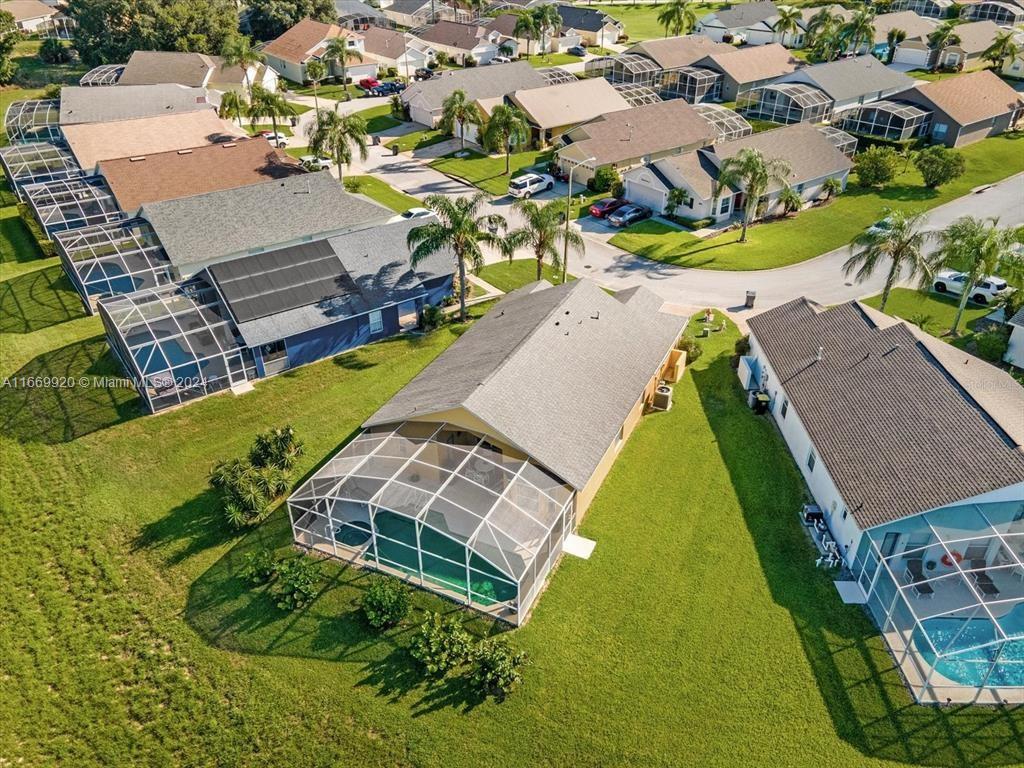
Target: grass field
819	230
379	119
384	193
33	72
933	312
641	20
487	172
330	91
509	275
553	60
418	140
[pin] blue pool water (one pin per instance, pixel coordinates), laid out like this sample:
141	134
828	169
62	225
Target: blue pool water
971	664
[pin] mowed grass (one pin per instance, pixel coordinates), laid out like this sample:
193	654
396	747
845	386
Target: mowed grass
379	119
410	142
383	193
932	312
487	172
819	230
552	59
641	20
508	275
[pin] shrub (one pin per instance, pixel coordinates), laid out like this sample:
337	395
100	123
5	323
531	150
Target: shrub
432	317
276	448
248	486
352	185
692	223
296	583
992	345
259	567
441	58
939	165
53	51
441	645
469	61
397	107
498	667
876	166
385	603
742	345
603	179
391	72
52	91
691	347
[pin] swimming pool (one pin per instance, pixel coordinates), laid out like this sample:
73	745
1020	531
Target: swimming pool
970	664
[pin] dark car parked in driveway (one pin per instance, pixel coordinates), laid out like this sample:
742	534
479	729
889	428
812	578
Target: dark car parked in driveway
629	214
422	73
577	50
388	88
606	206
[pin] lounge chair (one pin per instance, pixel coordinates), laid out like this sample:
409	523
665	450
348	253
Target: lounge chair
915	575
985	584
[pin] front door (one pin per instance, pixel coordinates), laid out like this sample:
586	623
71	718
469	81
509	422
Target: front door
408	316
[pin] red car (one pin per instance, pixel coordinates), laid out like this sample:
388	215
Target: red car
369	82
604	206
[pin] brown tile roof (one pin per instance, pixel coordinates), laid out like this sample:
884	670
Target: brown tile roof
504	24
675	52
751	63
184	172
569	103
888	413
465	37
26	10
297	42
386	43
971	97
92	142
976	36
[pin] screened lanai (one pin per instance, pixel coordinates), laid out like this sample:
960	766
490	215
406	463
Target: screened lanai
625	68
556	75
33	120
112	259
451	510
786	103
727	124
947	590
36	163
691	84
104	74
177	342
889	120
637	95
841	140
72	203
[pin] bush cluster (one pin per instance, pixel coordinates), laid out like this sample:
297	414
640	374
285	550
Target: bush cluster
385	602
992	345
693	348
293	580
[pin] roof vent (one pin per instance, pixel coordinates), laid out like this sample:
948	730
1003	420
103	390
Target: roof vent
229	145
136	159
821	351
184	151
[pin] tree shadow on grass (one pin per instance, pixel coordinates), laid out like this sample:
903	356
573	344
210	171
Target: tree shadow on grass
38	300
66	393
870	706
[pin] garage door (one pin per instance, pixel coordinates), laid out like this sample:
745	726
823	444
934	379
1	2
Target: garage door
913	56
638	192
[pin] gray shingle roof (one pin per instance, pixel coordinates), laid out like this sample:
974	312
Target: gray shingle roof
850	78
477	82
564	415
744	15
101	105
583	18
1018	318
899	428
259	216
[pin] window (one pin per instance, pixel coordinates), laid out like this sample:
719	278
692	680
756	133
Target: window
376	321
939	130
811	460
688	202
845	512
724	208
785	408
889	543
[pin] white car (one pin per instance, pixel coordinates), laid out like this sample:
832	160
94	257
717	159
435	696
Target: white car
500	60
987	290
412	213
530	184
279	140
315	163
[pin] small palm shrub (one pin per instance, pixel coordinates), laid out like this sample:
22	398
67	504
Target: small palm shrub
249	486
441	645
276	448
296	583
53	51
260	567
432	317
497	668
742	346
385	602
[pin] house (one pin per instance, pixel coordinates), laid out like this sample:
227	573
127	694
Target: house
932	542
423	99
820	92
553	109
79	106
195	70
967	108
731	23
889	119
1014	65
912	24
594	26
811	154
1015	351
307	41
505	25
1005	13
30	16
393	49
765	31
630	137
975	38
465	42
416	13
933	9
270	311
746	68
676	52
493	480
358	16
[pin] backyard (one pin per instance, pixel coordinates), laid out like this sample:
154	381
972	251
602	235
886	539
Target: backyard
932	312
641	20
129	638
819	230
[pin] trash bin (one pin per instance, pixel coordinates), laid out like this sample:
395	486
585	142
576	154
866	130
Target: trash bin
376	139
294	121
749	303
394	149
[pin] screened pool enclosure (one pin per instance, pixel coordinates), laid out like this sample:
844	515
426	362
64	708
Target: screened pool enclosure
448	509
947	590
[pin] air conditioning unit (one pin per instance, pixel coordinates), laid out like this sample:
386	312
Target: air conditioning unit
662	398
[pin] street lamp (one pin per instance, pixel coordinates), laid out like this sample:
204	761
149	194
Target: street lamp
568	207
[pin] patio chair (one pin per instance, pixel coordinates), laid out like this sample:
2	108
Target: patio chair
915	575
985	584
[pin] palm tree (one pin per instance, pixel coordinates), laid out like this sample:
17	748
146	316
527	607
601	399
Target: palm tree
754	173
832	187
677	17
788	23
457	109
334	135
859	30
901	241
232	106
238	52
459	228
978	247
943	36
506	129
526	26
893	38
338	51
543	233
1003	47
316	71
819	22
264	104
790	200
548	21
676	197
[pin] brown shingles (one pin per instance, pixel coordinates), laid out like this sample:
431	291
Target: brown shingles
972	97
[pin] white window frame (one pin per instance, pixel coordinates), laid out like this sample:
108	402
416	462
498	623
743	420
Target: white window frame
376	321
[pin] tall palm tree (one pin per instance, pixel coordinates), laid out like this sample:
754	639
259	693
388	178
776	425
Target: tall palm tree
232	106
893	38
859	30
1003	47
316	71
548	21
754	173
979	247
335	135
238	52
339	52
543	233
526	27
677	17
819	22
457	109
460	228
900	242
507	129
788	23
943	36
264	104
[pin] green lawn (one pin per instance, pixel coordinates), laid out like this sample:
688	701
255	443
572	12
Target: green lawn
488	171
299	108
641	20
33	72
817	231
933	312
282	127
330	91
384	193
379	119
508	275
553	60
418	140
